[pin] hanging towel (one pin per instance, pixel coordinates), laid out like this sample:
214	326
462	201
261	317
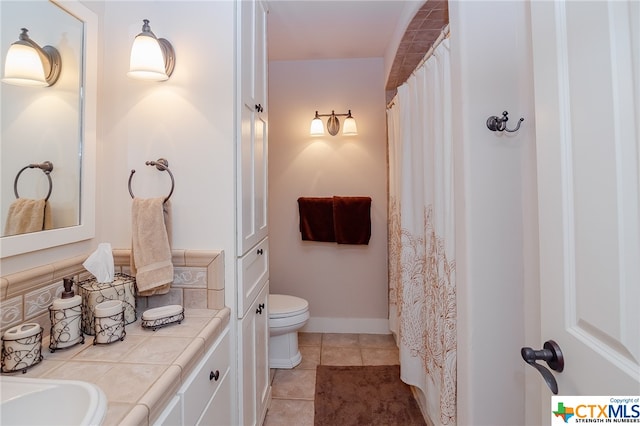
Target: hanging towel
151	245
352	219
27	215
316	218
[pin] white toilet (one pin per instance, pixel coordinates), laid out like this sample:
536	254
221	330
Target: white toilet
287	314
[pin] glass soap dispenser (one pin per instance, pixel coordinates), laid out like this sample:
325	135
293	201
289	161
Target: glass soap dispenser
66	316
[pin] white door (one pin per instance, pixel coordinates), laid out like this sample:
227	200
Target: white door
587	85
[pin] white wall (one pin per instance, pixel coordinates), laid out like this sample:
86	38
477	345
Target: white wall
346	285
496	249
188	119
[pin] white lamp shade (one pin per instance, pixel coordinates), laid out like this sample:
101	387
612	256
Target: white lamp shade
349	127
24	67
317	127
147	61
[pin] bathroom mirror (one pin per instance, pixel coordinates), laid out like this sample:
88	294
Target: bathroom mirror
55	124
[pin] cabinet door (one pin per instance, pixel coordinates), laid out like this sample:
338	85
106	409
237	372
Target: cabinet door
247	371
263	388
253	143
218	412
252	181
203	383
254	53
254	353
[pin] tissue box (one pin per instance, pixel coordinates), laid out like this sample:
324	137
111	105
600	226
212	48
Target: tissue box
122	288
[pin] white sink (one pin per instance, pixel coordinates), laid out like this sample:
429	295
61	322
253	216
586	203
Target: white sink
33	402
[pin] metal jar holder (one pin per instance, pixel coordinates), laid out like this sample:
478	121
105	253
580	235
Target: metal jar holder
109	328
65	327
21	353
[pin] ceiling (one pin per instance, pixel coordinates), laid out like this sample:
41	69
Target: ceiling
330	29
348	29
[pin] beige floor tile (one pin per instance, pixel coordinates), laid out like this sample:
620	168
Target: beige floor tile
340	356
310	357
374	356
294	384
287	412
377	341
309	339
339	340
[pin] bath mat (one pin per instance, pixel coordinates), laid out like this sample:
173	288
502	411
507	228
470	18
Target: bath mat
368	395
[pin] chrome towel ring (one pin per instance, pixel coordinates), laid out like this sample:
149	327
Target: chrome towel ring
162	165
46	168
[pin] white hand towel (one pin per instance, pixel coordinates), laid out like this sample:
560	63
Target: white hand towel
27	215
151	245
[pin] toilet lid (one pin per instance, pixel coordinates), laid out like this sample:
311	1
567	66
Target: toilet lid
281	305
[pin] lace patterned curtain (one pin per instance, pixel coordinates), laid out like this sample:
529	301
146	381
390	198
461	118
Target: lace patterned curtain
422	288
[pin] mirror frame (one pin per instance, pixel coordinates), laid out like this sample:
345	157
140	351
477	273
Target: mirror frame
27	243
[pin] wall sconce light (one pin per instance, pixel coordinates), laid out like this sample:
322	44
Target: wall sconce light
152	58
28	64
333	124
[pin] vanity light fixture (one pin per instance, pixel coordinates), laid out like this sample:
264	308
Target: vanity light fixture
28	64
152	58
333	124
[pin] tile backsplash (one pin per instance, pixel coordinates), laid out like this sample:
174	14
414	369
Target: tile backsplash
26	296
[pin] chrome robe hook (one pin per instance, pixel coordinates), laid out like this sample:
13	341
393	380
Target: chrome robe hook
497	124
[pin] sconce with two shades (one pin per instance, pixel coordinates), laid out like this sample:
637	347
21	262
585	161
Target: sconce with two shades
333	124
152	58
28	64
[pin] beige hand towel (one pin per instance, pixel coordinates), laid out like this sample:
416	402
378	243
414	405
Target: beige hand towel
151	245
27	215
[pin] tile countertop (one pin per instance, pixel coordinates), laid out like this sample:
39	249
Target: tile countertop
143	372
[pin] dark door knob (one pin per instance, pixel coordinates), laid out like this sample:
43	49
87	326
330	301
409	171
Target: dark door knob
214	376
552	355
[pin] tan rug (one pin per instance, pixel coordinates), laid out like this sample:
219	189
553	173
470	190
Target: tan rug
369	395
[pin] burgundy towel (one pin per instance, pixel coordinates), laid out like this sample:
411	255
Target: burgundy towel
352	219
316	219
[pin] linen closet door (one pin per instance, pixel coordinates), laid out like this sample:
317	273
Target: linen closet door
586	76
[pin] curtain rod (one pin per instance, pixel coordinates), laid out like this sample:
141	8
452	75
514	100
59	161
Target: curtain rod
443	34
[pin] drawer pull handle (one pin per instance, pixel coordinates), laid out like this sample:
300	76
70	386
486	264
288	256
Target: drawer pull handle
260	251
214	376
260	308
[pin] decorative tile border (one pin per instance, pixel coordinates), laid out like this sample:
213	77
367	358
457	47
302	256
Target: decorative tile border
189	277
11	312
38	301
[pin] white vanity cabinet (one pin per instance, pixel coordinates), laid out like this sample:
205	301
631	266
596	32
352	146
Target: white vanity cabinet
205	396
252	260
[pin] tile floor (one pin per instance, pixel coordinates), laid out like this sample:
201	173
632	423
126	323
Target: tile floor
293	390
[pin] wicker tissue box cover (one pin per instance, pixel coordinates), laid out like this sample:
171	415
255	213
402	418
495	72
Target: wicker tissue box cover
92	292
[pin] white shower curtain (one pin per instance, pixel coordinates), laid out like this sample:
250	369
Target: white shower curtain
422	289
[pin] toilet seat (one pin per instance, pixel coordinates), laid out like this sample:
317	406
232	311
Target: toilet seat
284	306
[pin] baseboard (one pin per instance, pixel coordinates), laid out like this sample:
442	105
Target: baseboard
347	325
